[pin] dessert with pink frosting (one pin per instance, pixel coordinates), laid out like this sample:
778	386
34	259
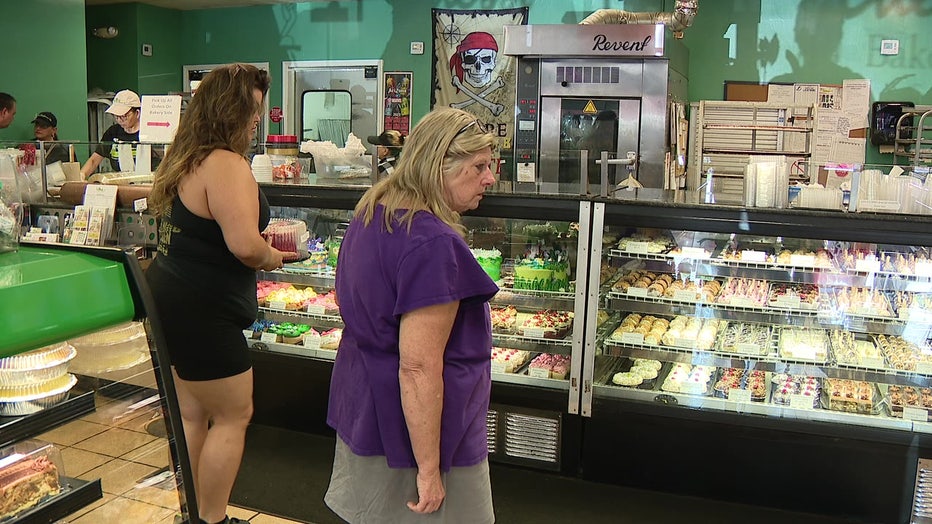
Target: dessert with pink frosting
744	292
509	360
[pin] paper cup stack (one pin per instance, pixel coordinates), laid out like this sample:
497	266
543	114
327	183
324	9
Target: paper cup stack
262	168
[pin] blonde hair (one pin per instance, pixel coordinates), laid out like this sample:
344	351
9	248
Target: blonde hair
434	151
217	117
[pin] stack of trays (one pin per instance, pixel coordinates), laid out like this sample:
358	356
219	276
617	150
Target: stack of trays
112	349
35	380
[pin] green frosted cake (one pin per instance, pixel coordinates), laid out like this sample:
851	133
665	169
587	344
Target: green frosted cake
491	262
542	275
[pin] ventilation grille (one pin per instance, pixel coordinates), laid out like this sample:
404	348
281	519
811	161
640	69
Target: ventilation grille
922	496
588	75
533	438
491	422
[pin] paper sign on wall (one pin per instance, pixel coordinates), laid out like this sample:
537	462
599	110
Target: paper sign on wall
158	118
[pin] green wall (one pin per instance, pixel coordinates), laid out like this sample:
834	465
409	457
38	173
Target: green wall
118	63
43	65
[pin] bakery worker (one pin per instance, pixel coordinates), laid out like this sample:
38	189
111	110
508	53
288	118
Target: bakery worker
45	129
388	148
125	108
7	110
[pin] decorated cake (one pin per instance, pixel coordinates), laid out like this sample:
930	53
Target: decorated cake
506	360
288	236
333	251
754	381
785	386
504	319
331	339
684	378
538	274
316	255
546	365
852	396
24	482
547	324
290	298
491	262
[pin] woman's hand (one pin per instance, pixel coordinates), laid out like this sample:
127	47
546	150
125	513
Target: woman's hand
275	259
430	492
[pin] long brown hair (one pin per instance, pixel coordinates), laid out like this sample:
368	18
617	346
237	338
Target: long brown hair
218	117
435	150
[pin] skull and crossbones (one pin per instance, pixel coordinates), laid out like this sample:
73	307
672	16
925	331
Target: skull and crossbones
473	62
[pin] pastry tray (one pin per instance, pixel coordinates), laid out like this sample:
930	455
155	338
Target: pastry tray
39	365
723	392
815	359
666	372
26	402
896	410
877	400
777	381
767	349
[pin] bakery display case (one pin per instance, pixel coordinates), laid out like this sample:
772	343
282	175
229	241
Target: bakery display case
537	322
85	406
787	336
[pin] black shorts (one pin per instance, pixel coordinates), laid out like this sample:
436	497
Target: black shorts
204	340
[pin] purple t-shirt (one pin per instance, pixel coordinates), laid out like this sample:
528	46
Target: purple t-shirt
380	277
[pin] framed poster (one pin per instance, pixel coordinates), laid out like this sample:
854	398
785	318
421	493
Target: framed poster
397	103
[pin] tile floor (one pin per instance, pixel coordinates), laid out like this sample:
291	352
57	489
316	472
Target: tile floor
113	444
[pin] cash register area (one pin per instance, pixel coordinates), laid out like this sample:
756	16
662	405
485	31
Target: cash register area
285	473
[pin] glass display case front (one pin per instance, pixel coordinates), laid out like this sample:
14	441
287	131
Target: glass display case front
535	264
811	329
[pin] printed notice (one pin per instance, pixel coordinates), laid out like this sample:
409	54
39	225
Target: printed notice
739	395
158	118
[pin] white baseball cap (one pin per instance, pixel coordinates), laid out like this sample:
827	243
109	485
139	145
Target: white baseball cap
123	102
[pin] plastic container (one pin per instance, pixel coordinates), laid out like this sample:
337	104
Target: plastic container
283	152
11	209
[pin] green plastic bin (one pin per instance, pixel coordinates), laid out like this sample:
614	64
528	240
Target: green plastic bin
48	295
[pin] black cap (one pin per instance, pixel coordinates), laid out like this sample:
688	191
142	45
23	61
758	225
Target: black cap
45	119
388	138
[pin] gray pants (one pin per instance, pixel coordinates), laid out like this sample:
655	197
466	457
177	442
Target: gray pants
364	490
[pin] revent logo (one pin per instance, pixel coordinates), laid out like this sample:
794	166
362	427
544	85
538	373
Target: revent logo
601	43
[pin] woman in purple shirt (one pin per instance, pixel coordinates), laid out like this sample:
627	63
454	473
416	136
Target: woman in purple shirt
411	382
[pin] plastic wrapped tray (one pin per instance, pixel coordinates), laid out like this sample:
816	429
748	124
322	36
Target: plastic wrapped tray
745	338
851	396
23	400
900	397
731	378
788	387
39	365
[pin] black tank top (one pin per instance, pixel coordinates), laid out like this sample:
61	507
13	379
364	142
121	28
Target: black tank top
193	259
184	235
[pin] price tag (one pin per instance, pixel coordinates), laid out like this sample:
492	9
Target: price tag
798	401
915	414
684	295
539	372
749	255
269	338
315	309
740	302
684	342
695	252
638	247
247	333
632	338
803	353
924	368
924	268
739	395
787	301
312	341
498	367
747	348
534	332
277	305
802	260
872	362
637	291
870	265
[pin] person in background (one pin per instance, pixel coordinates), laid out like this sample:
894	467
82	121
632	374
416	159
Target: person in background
411	382
210	246
125	107
388	148
45	129
7	110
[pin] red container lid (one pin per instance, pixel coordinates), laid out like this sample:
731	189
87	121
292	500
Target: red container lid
282	139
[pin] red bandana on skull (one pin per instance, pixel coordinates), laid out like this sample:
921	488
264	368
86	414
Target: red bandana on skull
480	48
